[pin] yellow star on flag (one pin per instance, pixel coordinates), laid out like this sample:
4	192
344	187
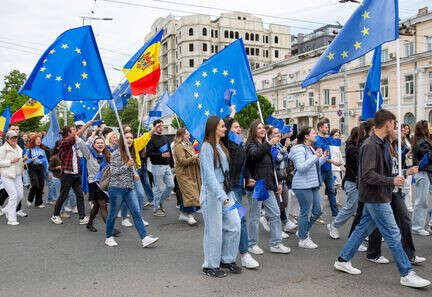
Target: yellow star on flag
199	106
365	31
77	85
197	83
78	51
84	75
84	63
43	69
214	70
344	54
45	60
69	89
330	56
221	110
234	92
48	75
365	15
204	74
232	81
52	51
207	113
58	78
357	45
64	46
225	73
196	95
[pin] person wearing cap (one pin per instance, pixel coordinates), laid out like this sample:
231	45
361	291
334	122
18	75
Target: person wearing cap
11	170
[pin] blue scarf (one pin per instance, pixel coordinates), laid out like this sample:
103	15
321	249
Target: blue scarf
84	175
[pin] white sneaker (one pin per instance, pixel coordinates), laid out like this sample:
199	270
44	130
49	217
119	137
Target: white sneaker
67	209
346	267
84	221
1	212
256	250
75	209
380	260
307	243
110	241
13	223
333	231
41	206
118	215
421	232
56	220
417	260
280	249
249	262
22	214
148	240
145	223
362	248
414	281
28	203
126	223
284	235
289	226
183	217
264	223
191	220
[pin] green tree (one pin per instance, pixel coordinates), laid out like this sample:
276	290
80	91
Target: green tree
175	124
128	115
9	96
250	113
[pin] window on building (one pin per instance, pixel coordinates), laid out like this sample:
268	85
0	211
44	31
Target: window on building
257	51
190	32
204	31
191	63
409	119
257	65
342	94
204	47
361	89
226	34
276	53
342	124
326	96
429	43
212	48
247	51
409	49
176	68
239	18
231	34
180	50
247	36
216	33
333	100
244	18
216	49
384	55
191	47
409	84
311	98
236	35
267	53
267	39
252	51
252	37
176	54
212	33
276	39
430	81
384	88
362	61
180	66
256	37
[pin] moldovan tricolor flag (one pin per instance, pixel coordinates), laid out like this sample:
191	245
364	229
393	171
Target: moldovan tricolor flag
29	110
143	69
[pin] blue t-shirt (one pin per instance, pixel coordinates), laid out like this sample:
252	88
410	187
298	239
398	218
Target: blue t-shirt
324	143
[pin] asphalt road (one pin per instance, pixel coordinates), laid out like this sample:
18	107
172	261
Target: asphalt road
38	258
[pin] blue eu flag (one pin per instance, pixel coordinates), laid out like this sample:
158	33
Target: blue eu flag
160	110
372	24
203	92
84	110
52	134
70	69
371	93
121	95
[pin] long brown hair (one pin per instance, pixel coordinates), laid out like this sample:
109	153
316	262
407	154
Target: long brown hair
105	151
179	135
210	137
354	136
32	142
123	152
252	134
421	131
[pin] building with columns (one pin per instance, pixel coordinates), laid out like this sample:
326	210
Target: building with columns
280	82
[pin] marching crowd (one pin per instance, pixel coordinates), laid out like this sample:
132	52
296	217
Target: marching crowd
279	175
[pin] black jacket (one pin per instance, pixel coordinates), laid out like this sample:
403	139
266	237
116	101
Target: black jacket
237	157
421	148
259	163
154	153
351	165
375	181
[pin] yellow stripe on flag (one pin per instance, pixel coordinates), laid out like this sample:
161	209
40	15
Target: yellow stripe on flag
146	64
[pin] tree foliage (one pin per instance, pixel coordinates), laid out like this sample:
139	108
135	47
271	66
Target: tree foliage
128	115
176	121
250	113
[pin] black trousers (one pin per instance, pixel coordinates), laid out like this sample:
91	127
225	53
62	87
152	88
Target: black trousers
3	196
178	192
403	221
69	181
100	200
37	182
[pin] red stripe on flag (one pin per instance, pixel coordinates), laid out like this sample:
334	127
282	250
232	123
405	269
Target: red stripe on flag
18	116
147	84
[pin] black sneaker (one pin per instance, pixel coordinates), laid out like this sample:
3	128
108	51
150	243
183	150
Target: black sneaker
232	267
91	228
116	232
214	272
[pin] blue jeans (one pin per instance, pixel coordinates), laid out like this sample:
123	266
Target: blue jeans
271	208
164	184
309	200
146	183
350	208
221	231
422	201
244	238
378	215
330	191
53	188
117	196
26	178
138	192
